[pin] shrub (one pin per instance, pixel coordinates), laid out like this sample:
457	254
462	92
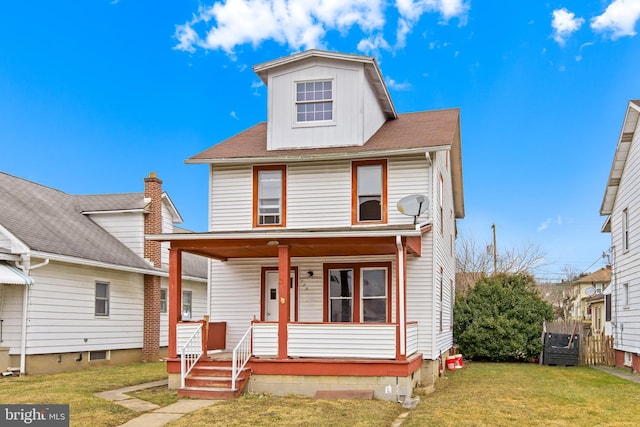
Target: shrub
500	319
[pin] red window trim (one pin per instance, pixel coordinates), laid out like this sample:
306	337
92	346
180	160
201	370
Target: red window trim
357	293
283	207
354	190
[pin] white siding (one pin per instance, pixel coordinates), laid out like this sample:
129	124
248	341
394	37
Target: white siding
128	227
342	340
349	88
626	264
230	203
318	193
265	339
61	310
167	227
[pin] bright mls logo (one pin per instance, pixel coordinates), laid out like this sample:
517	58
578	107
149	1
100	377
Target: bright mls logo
34	415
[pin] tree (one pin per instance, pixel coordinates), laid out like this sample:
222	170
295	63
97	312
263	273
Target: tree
500	319
474	258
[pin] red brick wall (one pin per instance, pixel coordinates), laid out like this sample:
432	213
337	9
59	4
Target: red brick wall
152	225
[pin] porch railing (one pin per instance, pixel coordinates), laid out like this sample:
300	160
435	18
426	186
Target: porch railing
190	353
241	355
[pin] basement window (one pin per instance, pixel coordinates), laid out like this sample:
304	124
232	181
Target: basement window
98	355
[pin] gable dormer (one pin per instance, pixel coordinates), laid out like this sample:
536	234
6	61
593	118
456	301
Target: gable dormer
324	99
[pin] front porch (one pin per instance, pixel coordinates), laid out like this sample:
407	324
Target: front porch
354	303
321	356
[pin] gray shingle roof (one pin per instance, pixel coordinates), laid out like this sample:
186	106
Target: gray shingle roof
51	221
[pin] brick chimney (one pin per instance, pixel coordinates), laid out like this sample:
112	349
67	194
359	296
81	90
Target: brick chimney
152	252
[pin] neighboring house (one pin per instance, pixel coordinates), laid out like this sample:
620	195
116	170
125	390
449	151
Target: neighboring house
318	275
621	206
584	290
78	282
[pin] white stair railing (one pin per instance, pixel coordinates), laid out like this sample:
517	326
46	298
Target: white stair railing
241	355
190	353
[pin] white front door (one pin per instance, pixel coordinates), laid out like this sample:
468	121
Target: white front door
272	298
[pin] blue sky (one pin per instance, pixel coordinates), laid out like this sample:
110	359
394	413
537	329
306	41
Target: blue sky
95	95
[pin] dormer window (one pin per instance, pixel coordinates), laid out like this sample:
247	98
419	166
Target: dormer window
314	101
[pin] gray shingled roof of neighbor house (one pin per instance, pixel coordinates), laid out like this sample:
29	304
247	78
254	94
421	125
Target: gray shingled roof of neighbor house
50	221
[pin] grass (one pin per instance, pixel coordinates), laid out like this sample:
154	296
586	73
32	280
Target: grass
77	389
481	394
528	395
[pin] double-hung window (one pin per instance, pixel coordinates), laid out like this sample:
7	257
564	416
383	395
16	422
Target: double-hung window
269	184
102	299
163	300
358	293
187	304
314	101
369	192
625	230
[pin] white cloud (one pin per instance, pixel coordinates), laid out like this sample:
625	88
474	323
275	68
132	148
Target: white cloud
303	24
234	115
564	24
544	225
392	84
619	19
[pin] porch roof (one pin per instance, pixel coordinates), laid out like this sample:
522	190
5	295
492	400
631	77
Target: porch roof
302	243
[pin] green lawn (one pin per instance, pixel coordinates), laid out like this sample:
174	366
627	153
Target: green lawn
481	394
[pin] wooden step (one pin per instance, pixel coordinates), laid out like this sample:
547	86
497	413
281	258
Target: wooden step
217	393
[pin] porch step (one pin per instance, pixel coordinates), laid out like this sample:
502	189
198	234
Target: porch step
212	380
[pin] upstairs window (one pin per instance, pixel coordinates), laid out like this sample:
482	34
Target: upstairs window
625	230
369	184
269	186
314	101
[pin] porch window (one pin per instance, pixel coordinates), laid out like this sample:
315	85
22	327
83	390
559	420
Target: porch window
269	187
358	293
102	299
369	186
341	295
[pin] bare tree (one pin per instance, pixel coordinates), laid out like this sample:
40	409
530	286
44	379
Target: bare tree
473	257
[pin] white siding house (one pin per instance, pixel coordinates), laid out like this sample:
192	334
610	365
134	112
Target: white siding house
312	259
87	291
621	206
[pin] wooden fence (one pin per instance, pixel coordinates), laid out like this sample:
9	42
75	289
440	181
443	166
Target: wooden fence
597	350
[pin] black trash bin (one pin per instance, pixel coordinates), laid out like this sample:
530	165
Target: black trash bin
561	349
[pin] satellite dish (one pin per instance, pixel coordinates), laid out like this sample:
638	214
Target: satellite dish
413	205
590	291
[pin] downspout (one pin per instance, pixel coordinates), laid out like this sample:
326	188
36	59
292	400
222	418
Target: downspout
401	286
24	264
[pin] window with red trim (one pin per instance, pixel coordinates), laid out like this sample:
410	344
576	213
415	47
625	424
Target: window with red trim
357	293
369	191
269	196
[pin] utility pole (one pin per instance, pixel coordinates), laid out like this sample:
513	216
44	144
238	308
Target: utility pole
495	256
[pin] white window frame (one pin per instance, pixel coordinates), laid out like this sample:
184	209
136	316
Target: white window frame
105	299
187	304
296	103
625	295
164	292
625	229
261	217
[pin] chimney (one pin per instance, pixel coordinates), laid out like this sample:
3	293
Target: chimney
152	251
153	219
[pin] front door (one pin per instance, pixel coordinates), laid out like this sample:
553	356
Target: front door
272	298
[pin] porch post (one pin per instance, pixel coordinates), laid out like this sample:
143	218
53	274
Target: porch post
175	298
284	277
401	303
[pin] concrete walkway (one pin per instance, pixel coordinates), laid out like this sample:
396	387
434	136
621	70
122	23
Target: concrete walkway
154	415
626	374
